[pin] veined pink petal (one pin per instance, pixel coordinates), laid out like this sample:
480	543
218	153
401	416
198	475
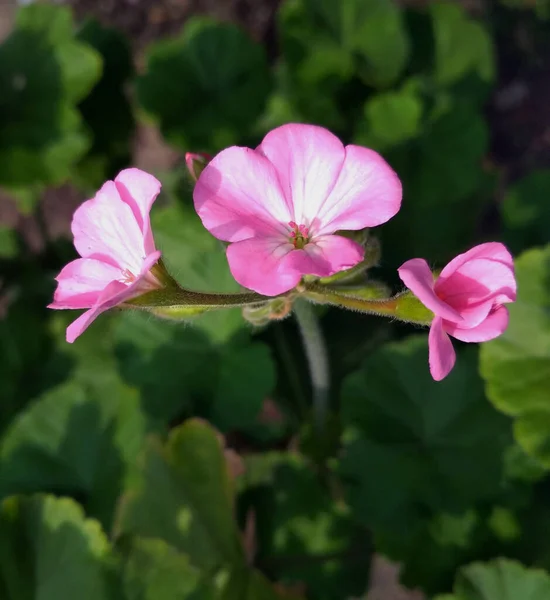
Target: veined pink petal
493	326
105	228
81	282
139	190
114	294
257	264
308	160
238	196
417	276
367	193
325	256
442	354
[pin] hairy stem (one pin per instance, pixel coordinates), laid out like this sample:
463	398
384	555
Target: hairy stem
317	358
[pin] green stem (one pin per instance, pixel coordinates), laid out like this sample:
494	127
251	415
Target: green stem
317	357
403	307
175	297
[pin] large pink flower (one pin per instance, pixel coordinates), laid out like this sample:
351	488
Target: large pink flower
280	205
112	234
467	299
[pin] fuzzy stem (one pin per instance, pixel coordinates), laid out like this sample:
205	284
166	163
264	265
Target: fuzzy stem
317	358
403	307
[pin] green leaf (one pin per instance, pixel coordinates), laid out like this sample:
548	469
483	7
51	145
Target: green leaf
187	369
80	437
184	496
444	163
391	119
107	110
237	405
414	445
43	73
227	73
323	39
153	570
526	211
304	535
500	579
8	242
49	551
462	46
516	366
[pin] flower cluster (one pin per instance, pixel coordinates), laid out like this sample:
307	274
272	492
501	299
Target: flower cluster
284	209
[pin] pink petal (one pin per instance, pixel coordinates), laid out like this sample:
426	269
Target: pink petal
105	228
478	280
441	351
367	193
325	256
493	326
258	264
417	276
81	282
114	294
104	302
238	196
499	273
139	190
308	160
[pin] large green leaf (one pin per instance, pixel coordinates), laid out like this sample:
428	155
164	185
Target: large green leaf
153	570
210	365
391	118
304	535
445	187
81	436
526	211
207	86
501	579
462	46
516	366
49	551
184	496
322	39
44	72
414	445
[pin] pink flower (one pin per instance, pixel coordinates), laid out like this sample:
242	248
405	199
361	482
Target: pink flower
112	234
196	162
467	299
279	205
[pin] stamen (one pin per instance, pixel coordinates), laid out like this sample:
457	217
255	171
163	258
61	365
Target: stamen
299	236
128	276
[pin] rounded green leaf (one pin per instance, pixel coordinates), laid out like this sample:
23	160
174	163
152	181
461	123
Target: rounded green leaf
323	39
413	444
184	496
501	579
391	119
207	86
516	366
50	551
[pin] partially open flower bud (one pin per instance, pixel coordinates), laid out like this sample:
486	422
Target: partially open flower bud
196	162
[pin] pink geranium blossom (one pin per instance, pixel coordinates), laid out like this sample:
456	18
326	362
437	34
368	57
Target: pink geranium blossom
112	234
467	299
280	205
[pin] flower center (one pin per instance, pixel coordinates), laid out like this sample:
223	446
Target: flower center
299	236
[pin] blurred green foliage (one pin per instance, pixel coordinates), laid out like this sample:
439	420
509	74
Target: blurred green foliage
115	482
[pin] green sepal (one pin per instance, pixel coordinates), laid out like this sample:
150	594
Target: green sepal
408	308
